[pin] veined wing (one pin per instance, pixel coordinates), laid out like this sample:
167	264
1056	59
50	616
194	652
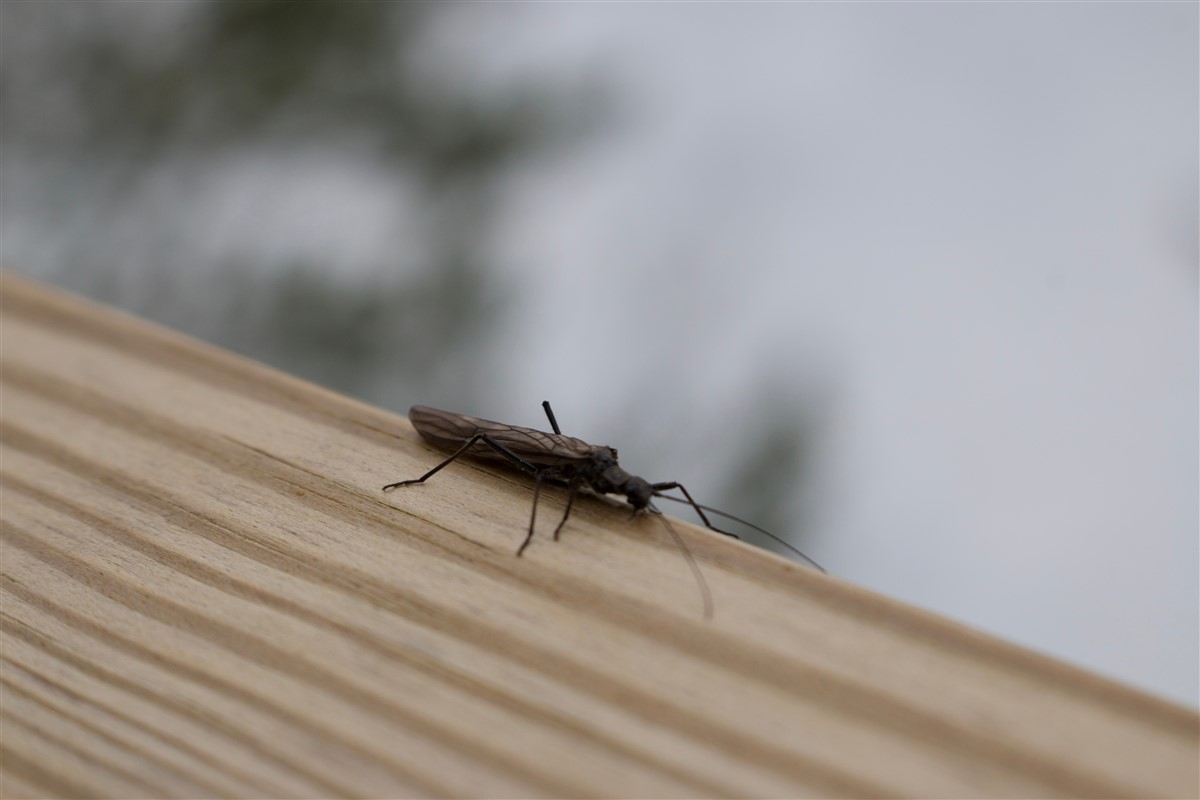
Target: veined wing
449	431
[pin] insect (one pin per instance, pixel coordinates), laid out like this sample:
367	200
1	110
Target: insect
565	460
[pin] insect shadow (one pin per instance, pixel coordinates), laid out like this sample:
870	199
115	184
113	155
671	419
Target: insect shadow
562	460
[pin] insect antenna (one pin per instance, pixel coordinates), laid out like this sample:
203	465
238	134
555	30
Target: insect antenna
691	560
741	521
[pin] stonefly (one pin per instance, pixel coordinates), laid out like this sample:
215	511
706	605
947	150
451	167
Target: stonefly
562	460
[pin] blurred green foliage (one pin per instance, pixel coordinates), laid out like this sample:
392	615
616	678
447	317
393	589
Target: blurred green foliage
109	97
116	116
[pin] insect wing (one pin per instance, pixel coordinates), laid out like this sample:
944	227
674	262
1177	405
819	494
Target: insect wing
448	431
445	429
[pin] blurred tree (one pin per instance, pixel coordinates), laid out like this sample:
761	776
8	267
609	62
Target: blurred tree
773	477
128	129
105	104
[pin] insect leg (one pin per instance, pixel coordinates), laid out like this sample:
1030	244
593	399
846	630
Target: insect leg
537	490
479	437
700	509
574	489
669	485
550	416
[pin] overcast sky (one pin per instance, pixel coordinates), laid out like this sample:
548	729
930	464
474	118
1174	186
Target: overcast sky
973	225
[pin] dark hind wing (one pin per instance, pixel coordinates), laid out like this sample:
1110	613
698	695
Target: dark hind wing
449	431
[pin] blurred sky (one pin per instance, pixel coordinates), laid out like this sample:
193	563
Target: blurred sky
957	241
974	224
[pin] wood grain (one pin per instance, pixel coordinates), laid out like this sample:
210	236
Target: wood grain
206	594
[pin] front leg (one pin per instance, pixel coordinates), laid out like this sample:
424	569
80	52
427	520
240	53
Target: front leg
669	485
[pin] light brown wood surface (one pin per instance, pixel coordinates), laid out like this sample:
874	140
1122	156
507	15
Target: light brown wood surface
205	593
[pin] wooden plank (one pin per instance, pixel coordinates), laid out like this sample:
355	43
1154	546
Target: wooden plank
206	594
